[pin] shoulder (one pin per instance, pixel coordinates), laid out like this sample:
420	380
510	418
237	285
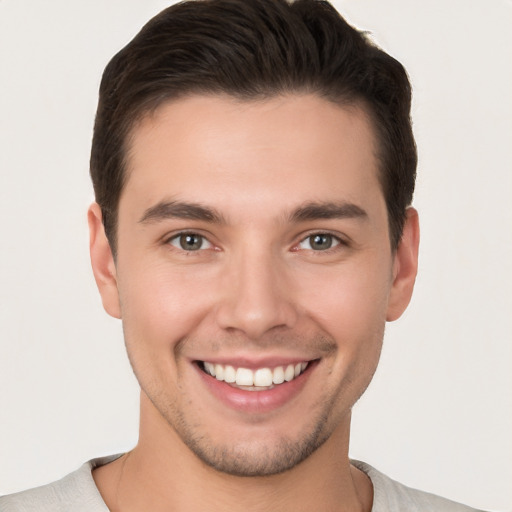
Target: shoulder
75	492
390	495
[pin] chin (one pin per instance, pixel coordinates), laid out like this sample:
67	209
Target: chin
257	459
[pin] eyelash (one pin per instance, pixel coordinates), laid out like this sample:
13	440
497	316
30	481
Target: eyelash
339	243
178	236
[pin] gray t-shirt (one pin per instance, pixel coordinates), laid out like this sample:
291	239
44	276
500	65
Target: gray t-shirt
77	492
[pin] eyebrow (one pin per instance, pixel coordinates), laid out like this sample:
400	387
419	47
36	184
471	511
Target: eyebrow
327	210
180	210
195	211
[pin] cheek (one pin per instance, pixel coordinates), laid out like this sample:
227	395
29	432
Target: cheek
159	307
350	302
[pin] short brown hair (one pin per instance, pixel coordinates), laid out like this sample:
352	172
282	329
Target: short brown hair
253	49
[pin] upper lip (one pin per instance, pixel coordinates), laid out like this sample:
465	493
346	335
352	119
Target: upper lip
254	363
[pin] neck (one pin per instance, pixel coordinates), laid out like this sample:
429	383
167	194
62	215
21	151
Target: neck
162	474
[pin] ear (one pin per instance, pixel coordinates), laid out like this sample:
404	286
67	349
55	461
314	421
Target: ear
102	260
405	267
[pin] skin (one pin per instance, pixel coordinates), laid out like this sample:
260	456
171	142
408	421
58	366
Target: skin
256	289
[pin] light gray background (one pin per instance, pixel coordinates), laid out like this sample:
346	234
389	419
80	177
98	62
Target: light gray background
439	413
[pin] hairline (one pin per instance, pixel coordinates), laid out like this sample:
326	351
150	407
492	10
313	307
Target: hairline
141	114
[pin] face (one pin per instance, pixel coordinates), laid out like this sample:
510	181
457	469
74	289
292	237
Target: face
254	274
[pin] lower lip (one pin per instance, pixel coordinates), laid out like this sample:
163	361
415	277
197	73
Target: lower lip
256	401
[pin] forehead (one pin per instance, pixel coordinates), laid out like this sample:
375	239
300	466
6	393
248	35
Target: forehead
284	150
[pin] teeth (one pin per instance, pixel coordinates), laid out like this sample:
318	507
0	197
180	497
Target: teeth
278	376
260	378
219	372
229	374
263	377
289	373
244	377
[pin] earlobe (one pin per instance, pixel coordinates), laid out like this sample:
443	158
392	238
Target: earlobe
102	260
405	267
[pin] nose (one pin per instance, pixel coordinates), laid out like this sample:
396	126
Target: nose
257	295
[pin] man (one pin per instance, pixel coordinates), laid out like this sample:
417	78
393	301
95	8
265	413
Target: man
253	165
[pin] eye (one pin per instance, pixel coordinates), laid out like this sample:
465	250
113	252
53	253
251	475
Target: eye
190	242
319	242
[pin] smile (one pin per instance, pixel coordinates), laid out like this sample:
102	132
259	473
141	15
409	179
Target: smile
254	380
255	389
